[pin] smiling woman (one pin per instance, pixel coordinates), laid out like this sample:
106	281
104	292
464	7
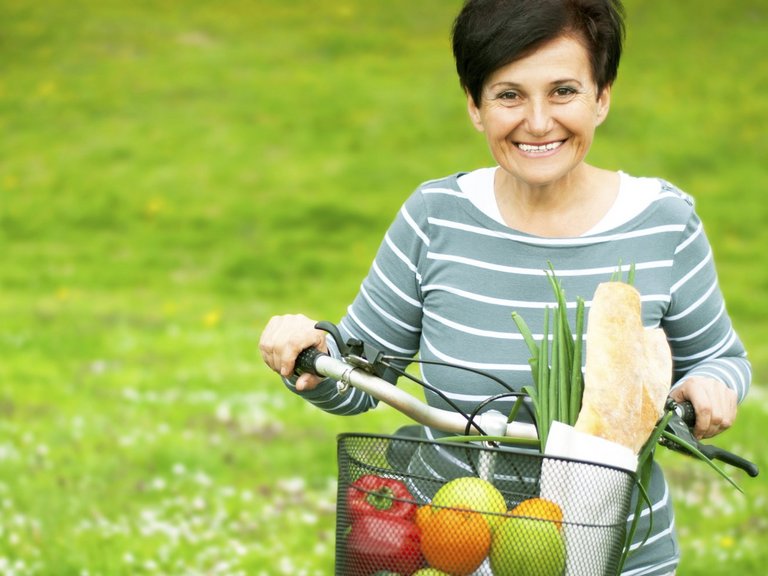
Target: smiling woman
174	173
466	250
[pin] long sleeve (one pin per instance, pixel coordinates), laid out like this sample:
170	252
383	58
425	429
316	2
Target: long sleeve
697	324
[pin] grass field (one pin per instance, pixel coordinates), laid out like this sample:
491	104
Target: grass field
173	173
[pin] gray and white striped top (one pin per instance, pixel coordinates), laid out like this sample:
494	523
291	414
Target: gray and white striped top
447	278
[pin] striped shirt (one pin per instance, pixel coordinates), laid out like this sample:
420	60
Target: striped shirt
448	276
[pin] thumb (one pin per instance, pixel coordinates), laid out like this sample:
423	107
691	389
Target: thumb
678	394
307	382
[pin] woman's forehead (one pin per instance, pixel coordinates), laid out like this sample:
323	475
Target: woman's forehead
562	59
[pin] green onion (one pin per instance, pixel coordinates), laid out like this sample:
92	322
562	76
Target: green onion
555	365
543	383
577	377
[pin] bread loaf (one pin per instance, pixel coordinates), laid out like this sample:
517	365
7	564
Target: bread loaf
628	369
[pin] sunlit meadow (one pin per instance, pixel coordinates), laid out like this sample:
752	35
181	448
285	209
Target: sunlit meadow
172	173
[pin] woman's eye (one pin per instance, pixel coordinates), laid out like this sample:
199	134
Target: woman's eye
509	97
564	92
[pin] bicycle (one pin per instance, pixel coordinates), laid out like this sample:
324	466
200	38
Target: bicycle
511	509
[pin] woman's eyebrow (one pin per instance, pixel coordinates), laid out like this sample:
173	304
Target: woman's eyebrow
566	81
510	84
504	84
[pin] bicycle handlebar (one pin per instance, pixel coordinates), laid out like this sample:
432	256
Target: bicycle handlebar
351	372
493	422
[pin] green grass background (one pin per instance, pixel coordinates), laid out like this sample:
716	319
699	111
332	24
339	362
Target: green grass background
172	173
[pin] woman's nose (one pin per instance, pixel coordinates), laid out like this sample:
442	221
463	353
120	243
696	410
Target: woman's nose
538	117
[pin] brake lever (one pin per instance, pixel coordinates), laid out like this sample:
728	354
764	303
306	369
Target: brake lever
680	423
356	352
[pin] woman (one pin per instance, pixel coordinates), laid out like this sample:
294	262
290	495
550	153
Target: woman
467	250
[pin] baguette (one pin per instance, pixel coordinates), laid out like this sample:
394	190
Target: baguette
628	369
656	383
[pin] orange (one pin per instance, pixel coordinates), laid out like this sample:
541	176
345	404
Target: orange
540	508
453	540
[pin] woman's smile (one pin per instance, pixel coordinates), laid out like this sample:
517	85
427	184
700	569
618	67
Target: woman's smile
539	150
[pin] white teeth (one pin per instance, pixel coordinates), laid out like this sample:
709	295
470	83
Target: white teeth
543	148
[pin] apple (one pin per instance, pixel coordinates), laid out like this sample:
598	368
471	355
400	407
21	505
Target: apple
430	572
473	493
527	547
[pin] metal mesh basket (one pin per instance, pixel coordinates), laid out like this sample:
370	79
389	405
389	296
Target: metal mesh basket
542	516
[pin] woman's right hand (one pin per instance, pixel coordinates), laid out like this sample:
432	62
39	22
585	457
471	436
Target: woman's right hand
284	337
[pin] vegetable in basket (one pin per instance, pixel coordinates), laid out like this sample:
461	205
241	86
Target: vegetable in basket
381	542
382	535
372	495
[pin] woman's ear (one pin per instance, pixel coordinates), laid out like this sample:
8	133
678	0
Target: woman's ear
474	114
603	104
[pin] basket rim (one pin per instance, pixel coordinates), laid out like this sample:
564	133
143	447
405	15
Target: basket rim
474	446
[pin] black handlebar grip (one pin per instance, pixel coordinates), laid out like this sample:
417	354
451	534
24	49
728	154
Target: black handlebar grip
715	453
687	413
305	361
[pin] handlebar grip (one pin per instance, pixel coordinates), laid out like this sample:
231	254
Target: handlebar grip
305	361
715	453
688	415
686	412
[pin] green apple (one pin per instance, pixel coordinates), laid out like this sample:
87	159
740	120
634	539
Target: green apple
430	572
527	547
473	493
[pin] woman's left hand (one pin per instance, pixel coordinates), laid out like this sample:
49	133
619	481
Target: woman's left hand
715	404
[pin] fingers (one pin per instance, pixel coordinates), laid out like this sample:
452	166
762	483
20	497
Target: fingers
284	337
715	404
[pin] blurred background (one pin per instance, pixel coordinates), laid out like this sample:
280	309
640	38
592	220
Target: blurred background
173	173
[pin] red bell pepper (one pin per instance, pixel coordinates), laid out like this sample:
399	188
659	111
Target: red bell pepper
383	535
377	496
383	543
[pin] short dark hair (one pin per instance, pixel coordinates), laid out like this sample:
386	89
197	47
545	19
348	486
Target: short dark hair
489	34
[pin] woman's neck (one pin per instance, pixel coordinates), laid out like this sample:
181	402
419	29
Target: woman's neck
566	208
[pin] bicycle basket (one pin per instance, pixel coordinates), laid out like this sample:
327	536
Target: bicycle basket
543	516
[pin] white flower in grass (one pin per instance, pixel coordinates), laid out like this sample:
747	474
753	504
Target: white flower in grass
238	548
126	441
179	469
159	484
269	511
285	565
228	492
202	479
294	485
309	518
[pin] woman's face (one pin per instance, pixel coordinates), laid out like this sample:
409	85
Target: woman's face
539	113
